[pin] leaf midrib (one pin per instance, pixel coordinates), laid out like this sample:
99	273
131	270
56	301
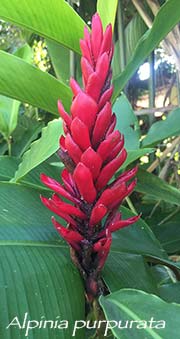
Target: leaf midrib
134	316
164	243
30	243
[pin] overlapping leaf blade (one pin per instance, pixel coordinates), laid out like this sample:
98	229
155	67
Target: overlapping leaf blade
129	305
41	149
36	273
24	82
158	189
137	238
125	270
169	236
48	18
9	108
107	12
8	115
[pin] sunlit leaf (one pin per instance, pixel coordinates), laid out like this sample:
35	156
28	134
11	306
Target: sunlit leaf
24	82
107	11
48	18
41	149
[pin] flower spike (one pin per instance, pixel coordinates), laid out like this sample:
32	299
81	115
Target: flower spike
92	151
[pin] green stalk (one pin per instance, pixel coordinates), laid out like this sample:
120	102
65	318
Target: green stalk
98	315
169	216
72	61
151	87
121	38
130	204
9	146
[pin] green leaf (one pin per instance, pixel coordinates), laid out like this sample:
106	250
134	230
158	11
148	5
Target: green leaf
107	11
41	149
169	236
116	67
25	53
163	129
149	41
60	60
36	273
163	274
175	267
26	83
24	217
8	166
32	179
125	270
48	18
127	122
37	281
137	238
170	292
134	155
133	32
9	109
157	188
3	147
26	131
160	319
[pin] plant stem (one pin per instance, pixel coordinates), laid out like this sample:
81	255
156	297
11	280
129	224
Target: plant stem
9	146
151	86
72	61
121	39
141	9
36	114
130	204
98	315
152	167
154	209
169	216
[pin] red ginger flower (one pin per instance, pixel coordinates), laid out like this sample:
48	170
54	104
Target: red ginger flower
92	152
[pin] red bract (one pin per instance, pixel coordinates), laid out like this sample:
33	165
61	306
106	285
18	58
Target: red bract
92	152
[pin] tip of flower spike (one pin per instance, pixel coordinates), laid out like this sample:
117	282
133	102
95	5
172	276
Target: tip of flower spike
96	16
96	35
